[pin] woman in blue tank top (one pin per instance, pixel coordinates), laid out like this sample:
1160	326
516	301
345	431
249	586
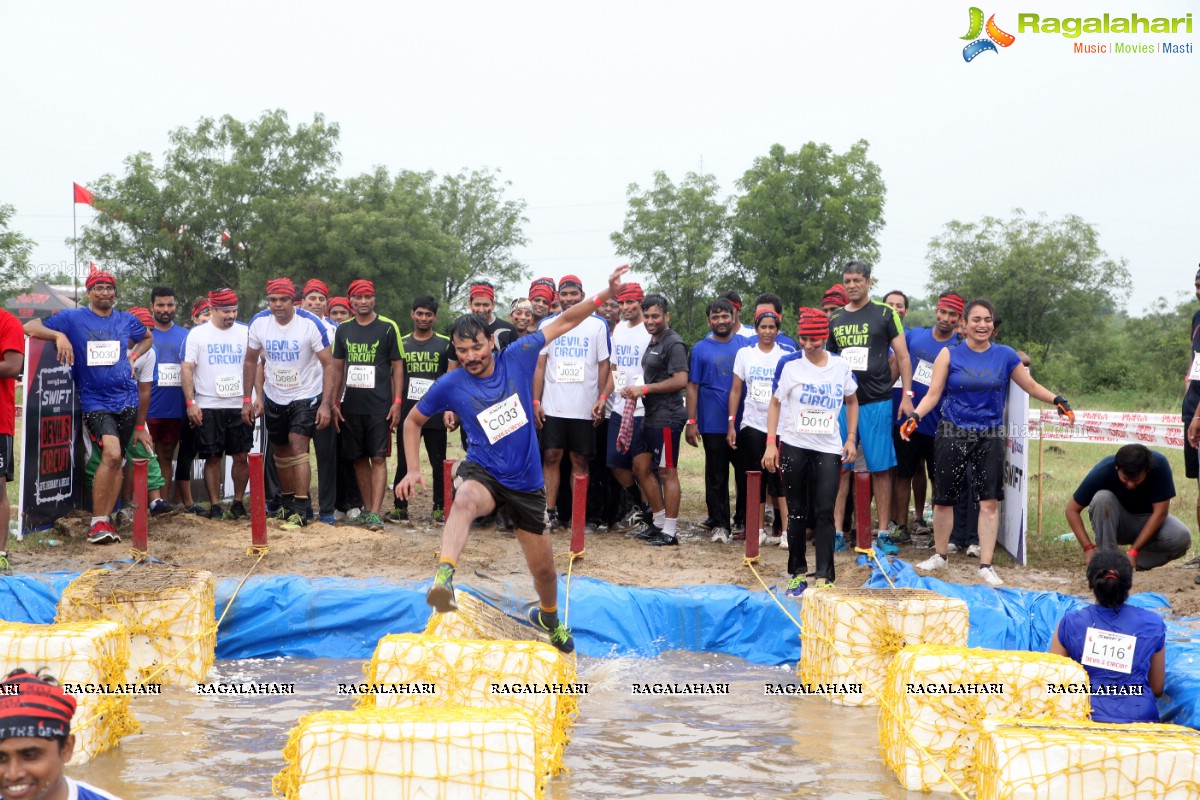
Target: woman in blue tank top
1120	646
973	375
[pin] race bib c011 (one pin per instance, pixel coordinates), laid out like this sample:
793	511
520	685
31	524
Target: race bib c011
360	376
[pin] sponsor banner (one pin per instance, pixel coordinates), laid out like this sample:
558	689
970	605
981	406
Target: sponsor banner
1014	511
53	453
1110	427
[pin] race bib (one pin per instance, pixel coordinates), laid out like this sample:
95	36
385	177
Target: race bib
924	372
568	371
816	421
229	385
760	391
103	354
360	376
504	418
287	377
621	379
1108	650
856	357
1194	372
170	375
418	387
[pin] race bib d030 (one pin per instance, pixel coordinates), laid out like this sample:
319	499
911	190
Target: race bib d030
103	354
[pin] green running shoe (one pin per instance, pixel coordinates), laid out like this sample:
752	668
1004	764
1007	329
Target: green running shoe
372	521
796	586
560	637
441	594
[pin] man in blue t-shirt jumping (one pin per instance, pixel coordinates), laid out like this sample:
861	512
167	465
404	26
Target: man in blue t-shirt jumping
492	395
95	342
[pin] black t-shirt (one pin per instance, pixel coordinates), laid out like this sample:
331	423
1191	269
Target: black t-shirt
424	362
1192	398
872	327
661	360
368	351
1158	486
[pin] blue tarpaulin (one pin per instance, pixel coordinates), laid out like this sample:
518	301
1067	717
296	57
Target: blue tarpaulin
283	615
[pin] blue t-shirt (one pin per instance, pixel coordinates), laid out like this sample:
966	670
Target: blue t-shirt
977	386
1151	634
779	368
514	459
712	370
166	402
923	347
107	384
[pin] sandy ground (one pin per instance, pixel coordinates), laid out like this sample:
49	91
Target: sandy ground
408	552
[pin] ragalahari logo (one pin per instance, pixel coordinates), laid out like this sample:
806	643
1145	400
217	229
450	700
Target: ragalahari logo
995	36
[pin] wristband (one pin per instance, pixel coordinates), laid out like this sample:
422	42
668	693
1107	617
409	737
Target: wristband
1133	552
909	393
596	299
190	403
603	397
731	419
645	389
1087	548
537	402
247	400
395	400
140	428
691	422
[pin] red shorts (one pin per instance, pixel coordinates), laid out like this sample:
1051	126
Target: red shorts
165	431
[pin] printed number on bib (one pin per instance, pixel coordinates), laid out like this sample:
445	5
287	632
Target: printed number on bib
856	357
169	375
287	377
816	421
924	372
504	418
229	385
103	354
568	371
760	391
621	379
1194	372
418	387
1108	650
361	376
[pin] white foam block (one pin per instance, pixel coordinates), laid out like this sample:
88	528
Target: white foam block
851	635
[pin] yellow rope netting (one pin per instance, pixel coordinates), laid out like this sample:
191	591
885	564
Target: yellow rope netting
530	676
857	632
168	611
424	752
935	700
1054	759
92	656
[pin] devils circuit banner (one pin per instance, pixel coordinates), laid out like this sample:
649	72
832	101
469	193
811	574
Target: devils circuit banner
53	450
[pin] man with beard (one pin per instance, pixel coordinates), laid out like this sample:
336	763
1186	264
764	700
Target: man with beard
541	294
629	342
165	417
325	440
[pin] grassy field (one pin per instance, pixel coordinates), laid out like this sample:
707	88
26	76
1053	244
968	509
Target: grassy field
1064	466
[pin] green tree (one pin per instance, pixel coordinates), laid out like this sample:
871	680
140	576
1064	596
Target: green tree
678	234
15	248
803	214
1049	279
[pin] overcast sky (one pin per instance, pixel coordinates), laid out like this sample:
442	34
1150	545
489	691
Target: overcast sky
575	101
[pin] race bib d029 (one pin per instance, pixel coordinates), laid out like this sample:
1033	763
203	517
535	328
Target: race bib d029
568	371
169	375
502	419
287	377
1108	650
103	354
360	376
229	385
418	388
924	372
816	421
856	357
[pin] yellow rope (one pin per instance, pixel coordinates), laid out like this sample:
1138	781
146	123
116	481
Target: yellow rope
875	557
139	556
907	728
567	600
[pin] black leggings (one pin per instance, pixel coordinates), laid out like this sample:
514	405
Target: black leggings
435	448
807	475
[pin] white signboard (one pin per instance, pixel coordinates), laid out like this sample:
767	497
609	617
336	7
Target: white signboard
1014	511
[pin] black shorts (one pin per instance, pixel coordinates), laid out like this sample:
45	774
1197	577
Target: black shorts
955	448
111	423
223	433
365	436
572	435
664	451
298	416
751	445
1191	464
910	454
6	457
527	510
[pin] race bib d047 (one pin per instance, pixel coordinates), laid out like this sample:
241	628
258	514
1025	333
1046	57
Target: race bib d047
502	419
103	354
169	375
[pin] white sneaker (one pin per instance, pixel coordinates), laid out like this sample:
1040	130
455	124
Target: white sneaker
783	543
772	539
934	562
973	551
720	535
762	536
339	516
951	549
989	575
353	514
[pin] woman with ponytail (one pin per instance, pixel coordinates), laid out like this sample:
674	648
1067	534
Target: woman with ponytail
1120	646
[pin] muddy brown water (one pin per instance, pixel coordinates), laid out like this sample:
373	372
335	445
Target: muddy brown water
744	744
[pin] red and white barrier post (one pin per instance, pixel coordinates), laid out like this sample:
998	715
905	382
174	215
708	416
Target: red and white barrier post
862	509
140	505
579	490
258	502
447	486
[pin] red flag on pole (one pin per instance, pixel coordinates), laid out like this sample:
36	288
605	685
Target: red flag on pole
82	195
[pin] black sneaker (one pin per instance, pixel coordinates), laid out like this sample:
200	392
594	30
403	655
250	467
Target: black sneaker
237	510
552	521
592	526
631	520
162	507
708	524
662	540
215	511
646	532
551	625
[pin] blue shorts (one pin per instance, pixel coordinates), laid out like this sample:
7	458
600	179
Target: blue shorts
874	434
618	460
656	444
